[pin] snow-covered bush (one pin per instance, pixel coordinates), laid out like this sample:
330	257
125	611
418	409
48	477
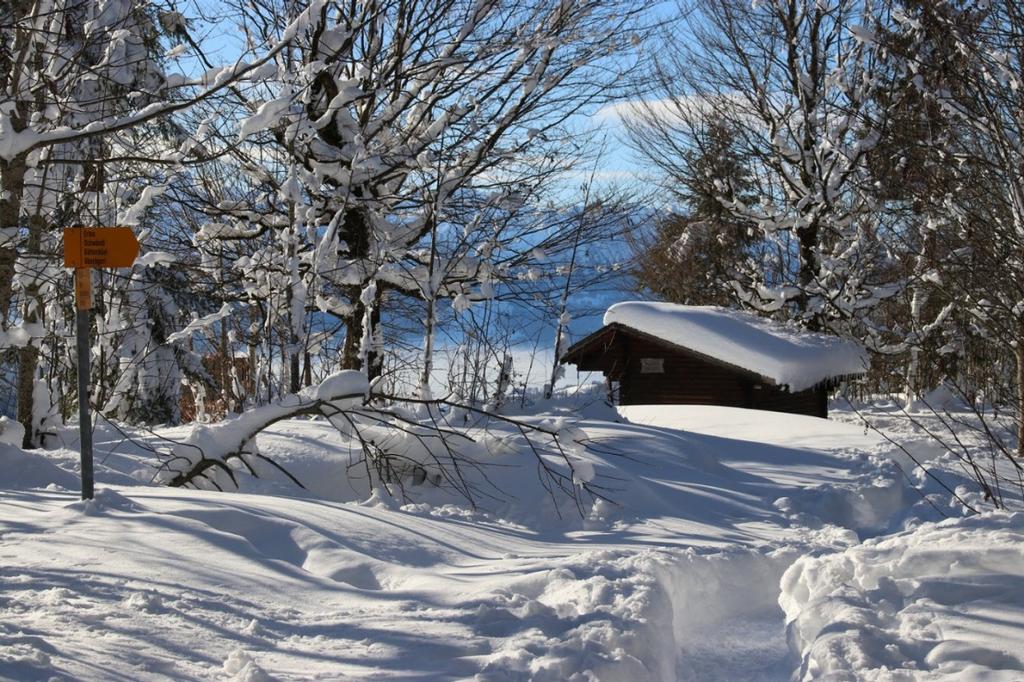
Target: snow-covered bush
396	445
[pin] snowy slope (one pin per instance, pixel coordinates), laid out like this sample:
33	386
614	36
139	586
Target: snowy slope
679	578
945	600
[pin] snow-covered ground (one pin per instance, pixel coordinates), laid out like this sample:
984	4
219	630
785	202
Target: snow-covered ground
738	545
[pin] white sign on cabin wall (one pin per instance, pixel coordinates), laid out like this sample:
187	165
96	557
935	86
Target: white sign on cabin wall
652	365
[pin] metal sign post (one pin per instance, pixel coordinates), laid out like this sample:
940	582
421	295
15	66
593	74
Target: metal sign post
86	248
83	304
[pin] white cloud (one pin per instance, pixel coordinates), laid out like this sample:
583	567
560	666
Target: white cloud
672	107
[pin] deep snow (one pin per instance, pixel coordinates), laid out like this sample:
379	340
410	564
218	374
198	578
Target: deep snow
740	545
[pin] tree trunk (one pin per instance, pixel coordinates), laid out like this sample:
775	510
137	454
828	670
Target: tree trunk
428	348
373	358
294	373
1020	394
7	258
252	385
226	369
282	379
808	237
27	363
28	356
354	336
12	182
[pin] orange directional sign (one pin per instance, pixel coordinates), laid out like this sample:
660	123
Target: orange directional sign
100	247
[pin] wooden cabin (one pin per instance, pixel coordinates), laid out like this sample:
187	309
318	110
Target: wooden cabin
662	353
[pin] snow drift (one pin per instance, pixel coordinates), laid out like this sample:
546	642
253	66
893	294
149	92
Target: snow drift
943	601
676	578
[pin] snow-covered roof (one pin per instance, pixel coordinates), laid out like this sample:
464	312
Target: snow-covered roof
786	355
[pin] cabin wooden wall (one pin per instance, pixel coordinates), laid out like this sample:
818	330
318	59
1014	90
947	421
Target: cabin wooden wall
690	380
686	380
813	401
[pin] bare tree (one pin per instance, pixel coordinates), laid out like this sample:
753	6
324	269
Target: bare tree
984	205
78	79
793	83
415	140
